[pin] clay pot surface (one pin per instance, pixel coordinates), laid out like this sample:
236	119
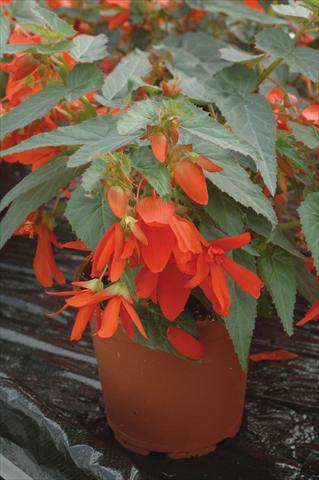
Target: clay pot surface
158	402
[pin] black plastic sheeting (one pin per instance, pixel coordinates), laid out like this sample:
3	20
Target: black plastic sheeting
52	421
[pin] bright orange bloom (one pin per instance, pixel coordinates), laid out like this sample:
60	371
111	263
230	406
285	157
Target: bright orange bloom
159	146
87	301
118	200
114	249
311	114
312	314
44	264
190	177
211	266
185	343
163	228
274	355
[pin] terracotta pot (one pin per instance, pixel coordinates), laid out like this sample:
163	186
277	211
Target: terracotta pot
158	402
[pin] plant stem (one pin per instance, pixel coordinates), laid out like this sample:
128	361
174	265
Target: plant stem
267	71
212	111
289	225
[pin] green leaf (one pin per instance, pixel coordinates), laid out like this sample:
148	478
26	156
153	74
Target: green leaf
88	132
34	190
155	173
224	211
287	148
88	48
235	55
82	79
194	54
33	108
293	10
249	114
203	128
5	32
308	135
111	140
235	10
137	117
40	20
93	174
307	286
131	69
278	43
278	272
89	216
36	48
309	216
240	321
275	236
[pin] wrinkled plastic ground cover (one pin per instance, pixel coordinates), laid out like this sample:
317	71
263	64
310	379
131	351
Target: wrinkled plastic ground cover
51	414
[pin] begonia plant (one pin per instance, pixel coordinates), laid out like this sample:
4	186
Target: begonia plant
179	139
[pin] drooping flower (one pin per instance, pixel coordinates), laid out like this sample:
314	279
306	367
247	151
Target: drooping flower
118	200
160	146
88	301
114	248
189	175
44	264
212	264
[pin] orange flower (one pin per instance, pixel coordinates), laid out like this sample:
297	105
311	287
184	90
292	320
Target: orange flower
312	314
44	264
311	114
163	228
118	200
113	249
185	343
159	146
88	300
211	266
190	177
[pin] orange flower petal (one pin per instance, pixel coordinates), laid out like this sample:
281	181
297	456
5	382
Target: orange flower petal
312	314
134	316
81	320
103	252
220	290
185	343
80	299
159	248
189	239
118	263
154	211
159	146
229	243
146	283
209	165
191	179
117	200
273	355
172	292
246	279
202	271
110	318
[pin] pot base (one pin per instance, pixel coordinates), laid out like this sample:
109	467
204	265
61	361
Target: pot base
130	445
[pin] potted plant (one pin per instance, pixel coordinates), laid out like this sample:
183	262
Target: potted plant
189	177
